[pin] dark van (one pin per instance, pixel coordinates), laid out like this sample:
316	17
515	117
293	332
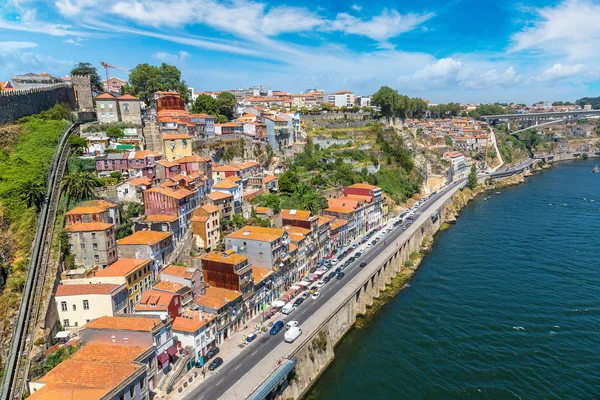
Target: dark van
277	327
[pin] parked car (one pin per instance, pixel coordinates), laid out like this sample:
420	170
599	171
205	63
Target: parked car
349	250
351	259
327	279
250	337
313	290
305	295
213	351
292	324
321	283
298	301
335	261
331	275
338	270
288	308
363	264
277	327
315	295
341	275
216	363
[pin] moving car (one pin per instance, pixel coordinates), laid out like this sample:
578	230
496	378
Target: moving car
340	275
315	295
298	301
250	337
292	334
363	264
331	275
327	279
292	324
216	363
213	351
277	327
321	283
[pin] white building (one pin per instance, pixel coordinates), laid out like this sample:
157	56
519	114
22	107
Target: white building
196	330
342	98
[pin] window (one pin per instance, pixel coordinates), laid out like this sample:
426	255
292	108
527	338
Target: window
169	335
110	105
135	287
111	115
141	384
76	324
93	235
157	338
74	307
96	258
132	391
86	305
103	115
66	323
63	306
95	246
82	245
126	108
101	105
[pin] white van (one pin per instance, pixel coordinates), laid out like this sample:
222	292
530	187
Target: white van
291	324
292	334
288	308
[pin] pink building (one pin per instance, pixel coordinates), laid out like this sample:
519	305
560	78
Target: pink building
138	163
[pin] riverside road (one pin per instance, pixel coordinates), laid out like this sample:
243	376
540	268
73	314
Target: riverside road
236	368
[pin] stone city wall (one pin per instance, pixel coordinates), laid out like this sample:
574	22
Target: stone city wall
15	104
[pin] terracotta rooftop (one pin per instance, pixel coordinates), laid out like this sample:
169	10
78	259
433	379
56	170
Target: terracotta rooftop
88	288
178	270
89	227
337	223
128	97
190	325
160	218
192	158
300	215
225	168
214	196
210	208
124	323
143	154
225	184
259	274
216	298
85	210
155	300
262	210
269	178
225	257
122	267
91	373
144	238
143	181
176	194
175	136
364	186
171	287
342	202
106	96
339	210
257	233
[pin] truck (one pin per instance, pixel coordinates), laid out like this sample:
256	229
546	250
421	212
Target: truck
292	334
288	308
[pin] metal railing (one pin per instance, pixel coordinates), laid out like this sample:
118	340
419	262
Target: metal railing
17	366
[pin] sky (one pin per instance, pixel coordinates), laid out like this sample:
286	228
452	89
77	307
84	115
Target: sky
469	51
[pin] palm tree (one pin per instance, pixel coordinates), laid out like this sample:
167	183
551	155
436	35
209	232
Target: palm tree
79	186
33	194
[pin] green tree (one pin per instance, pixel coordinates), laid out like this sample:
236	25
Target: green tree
355	108
387	100
33	194
327	107
116	175
473	177
343	108
79	186
238	221
226	104
205	104
145	79
304	110
448	140
115	132
221	119
288	182
77	144
272	201
85	68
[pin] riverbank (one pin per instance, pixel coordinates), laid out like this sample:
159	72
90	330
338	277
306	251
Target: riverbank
487	291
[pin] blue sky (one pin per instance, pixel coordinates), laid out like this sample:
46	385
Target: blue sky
442	50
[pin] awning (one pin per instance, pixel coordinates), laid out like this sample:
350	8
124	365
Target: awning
171	351
319	273
303	283
163	358
296	287
62	335
278	303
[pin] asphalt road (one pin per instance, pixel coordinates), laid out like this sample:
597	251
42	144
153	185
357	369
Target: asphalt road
232	370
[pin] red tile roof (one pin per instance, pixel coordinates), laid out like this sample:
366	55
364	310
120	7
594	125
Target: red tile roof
82	289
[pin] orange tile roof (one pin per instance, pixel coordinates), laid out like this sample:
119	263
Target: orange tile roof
106	96
201	115
361	199
257	233
89	227
296	230
128	97
192	158
260	274
225	257
225	184
100	203
85	210
144	153
218	196
168	163
233	178
363	186
299	215
144	238
190	325
225	168
143	181
155	300
178	270
160	218
262	210
340	210
174	136
91	373
171	287
293	247
342	202
124	323
322	220
88	288
269	178
199	218
179	177
210	208
176	194
122	267
337	223
276	118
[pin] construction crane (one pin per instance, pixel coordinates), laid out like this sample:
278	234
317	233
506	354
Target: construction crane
107	66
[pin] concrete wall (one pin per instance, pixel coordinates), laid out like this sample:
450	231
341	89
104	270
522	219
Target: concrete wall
317	350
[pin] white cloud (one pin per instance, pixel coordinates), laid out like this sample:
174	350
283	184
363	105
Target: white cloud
560	71
75	41
571	28
389	24
13	46
356	7
180	57
448	74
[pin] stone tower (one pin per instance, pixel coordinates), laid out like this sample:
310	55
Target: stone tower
83	90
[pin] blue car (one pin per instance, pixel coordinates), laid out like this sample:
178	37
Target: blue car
277	327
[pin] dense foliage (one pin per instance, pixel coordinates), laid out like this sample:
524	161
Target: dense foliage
146	79
223	106
393	104
593	101
487	109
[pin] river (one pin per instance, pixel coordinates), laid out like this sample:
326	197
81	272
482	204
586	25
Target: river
507	305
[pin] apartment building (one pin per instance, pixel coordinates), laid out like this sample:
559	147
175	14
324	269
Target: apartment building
92	243
156	246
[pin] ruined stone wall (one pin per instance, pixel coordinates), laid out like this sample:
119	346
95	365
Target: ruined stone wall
15	104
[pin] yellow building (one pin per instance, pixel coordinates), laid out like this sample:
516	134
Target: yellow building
176	145
135	273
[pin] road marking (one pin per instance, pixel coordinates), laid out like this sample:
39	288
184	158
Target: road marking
268	340
201	398
221	381
235	369
254	353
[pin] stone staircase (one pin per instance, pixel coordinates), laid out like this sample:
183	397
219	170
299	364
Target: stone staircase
153	137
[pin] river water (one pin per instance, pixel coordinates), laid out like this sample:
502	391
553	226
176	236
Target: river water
507	305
